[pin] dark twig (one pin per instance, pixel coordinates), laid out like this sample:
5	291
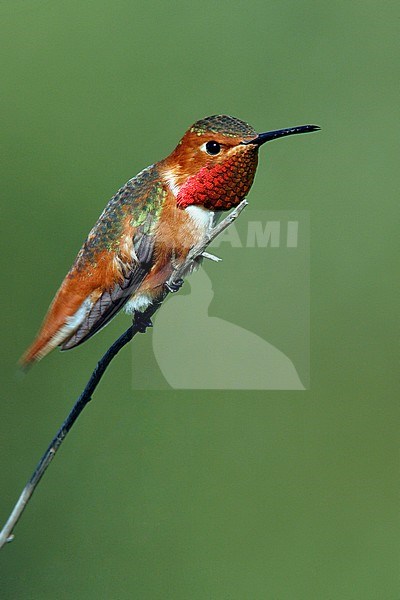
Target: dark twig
6	534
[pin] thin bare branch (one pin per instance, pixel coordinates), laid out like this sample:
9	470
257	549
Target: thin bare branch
6	534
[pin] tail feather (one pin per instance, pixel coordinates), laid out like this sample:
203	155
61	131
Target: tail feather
53	333
38	350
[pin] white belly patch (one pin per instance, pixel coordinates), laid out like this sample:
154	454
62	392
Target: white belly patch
138	303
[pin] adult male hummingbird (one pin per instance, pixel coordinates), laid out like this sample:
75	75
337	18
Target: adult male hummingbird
148	228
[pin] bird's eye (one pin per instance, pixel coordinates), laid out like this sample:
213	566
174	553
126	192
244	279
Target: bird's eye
213	148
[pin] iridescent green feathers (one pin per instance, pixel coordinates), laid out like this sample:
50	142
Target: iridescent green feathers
123	237
137	204
225	125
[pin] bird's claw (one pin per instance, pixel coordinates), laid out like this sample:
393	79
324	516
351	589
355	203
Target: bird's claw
175	286
142	323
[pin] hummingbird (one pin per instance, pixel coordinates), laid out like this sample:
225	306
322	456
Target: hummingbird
147	229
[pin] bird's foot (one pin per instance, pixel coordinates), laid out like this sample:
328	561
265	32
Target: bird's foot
142	322
175	286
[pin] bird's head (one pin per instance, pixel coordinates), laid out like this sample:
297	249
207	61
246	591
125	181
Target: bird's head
215	162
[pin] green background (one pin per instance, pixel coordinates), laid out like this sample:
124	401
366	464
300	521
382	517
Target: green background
167	495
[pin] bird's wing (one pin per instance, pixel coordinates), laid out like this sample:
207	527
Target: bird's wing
110	266
101	311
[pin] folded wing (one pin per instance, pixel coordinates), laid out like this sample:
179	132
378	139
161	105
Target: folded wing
112	263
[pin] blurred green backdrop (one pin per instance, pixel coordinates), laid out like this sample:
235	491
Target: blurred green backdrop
239	496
